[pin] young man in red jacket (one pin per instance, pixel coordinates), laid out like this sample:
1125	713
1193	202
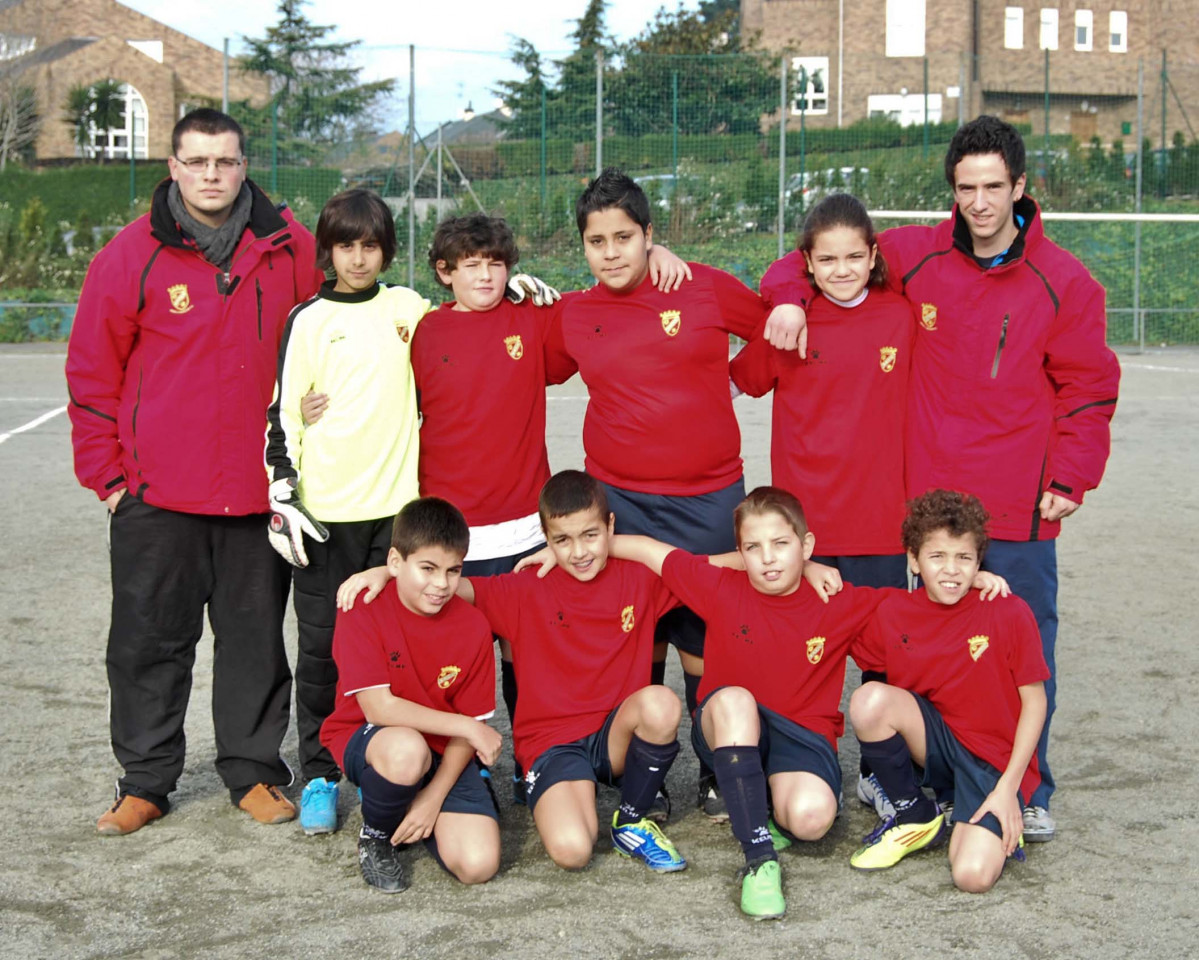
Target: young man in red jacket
170	369
1012	385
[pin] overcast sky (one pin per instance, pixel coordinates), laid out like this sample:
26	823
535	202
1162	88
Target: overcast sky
462	45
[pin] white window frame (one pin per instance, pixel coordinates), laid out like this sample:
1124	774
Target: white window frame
906	109
905	28
1049	28
1117	29
817	101
1013	28
1084	30
136	131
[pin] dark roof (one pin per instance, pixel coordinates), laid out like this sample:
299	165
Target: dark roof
481	128
56	51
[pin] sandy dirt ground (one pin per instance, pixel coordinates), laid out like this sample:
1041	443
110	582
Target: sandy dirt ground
1120	880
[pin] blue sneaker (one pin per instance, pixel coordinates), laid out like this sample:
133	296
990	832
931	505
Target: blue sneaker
645	841
318	807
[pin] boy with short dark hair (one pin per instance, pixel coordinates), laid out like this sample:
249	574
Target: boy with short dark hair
416	680
660	431
336	485
964	699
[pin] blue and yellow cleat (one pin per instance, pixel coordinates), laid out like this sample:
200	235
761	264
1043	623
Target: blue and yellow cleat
890	842
644	840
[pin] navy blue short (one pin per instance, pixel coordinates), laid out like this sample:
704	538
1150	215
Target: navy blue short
878	570
950	766
702	524
784	746
469	794
583	759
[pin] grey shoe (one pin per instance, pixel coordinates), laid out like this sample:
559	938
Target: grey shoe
871	793
1038	825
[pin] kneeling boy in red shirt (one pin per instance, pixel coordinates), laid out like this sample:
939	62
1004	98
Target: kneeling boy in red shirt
416	680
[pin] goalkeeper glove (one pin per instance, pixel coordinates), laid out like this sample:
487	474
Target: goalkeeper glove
290	520
522	285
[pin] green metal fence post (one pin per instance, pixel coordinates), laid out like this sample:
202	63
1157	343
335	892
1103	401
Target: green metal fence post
674	122
275	148
782	226
1045	158
544	212
803	135
132	174
1160	165
926	108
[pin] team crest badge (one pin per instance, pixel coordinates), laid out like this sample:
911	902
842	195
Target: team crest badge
404	334
447	676
815	649
181	301
928	316
978	646
627	620
672	321
886	358
515	346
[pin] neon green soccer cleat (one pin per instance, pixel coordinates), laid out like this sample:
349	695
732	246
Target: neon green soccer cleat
762	891
778	839
890	842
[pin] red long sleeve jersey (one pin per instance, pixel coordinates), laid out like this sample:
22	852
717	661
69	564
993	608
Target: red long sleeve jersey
660	419
838	420
481	379
445	663
172	361
789	652
579	649
967	660
1013	386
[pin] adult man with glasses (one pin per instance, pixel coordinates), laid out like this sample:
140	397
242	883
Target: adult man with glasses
170	369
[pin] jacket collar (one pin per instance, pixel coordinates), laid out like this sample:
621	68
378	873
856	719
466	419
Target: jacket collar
1030	231
265	218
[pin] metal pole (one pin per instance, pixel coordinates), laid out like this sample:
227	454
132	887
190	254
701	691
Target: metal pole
840	54
132	173
439	163
543	157
782	150
1160	166
275	147
1045	158
599	112
412	165
674	125
803	136
961	93
1138	321
225	80
926	108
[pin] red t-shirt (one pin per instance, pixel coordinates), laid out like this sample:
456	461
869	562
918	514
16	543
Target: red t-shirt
446	663
837	428
660	419
789	652
579	649
967	660
481	379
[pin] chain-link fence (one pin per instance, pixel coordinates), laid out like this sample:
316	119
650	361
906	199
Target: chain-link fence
732	150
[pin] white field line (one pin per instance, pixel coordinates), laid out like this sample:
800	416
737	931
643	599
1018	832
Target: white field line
1124	365
36	422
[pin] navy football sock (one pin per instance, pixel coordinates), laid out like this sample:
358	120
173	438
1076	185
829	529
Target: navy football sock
691	683
657	672
508	688
645	768
891	762
867	676
384	803
743	786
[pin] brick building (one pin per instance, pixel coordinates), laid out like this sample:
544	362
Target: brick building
866	58
55	45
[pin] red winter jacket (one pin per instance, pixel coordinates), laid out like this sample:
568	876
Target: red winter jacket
1012	384
172	362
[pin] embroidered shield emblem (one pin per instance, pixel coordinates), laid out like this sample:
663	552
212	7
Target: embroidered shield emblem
447	676
627	620
180	299
815	649
515	346
928	316
886	358
978	646
672	322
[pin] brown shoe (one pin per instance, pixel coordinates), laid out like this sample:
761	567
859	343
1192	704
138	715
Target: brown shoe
267	805
128	814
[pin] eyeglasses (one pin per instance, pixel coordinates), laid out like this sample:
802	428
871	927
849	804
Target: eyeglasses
200	164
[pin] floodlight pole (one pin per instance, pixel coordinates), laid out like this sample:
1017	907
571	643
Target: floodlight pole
412	165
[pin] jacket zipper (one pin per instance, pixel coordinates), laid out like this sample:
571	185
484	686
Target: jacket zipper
999	349
258	295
